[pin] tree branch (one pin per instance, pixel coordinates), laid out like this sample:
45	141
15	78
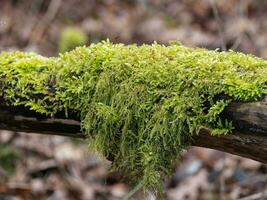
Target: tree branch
249	139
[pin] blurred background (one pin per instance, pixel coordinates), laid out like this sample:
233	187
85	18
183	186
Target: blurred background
36	166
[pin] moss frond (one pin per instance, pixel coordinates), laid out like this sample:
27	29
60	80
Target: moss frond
70	38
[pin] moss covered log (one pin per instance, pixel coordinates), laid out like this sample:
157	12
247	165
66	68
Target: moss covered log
139	105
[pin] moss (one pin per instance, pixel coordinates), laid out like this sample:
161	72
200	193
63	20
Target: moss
72	37
139	105
8	157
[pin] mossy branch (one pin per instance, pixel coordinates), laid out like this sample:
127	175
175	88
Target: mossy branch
249	139
139	105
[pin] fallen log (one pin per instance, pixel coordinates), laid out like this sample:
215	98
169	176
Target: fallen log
249	139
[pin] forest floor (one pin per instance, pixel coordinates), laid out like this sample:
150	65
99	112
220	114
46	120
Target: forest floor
36	166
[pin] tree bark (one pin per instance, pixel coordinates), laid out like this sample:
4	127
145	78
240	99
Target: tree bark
249	139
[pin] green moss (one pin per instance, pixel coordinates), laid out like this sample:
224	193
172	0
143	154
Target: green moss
139	105
72	37
8	157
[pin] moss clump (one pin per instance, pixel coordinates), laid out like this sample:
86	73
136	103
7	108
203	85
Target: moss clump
8	157
139	105
72	37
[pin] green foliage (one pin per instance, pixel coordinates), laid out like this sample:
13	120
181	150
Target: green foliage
8	157
70	38
139	105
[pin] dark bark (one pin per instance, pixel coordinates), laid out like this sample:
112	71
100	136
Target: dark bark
249	139
21	119
251	146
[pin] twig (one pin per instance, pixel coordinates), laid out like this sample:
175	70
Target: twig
12	137
243	12
237	42
219	24
151	195
45	21
260	195
222	179
133	191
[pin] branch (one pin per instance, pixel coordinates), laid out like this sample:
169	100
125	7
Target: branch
249	138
